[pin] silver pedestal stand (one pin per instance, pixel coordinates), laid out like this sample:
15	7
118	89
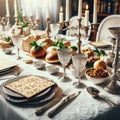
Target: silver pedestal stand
113	87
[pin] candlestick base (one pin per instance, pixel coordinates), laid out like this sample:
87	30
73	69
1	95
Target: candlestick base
94	31
16	20
113	87
67	23
86	28
37	22
62	25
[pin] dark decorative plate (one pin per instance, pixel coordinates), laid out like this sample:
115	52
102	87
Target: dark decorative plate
7	70
25	100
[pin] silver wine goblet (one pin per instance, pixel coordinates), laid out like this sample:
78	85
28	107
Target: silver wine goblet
64	55
79	62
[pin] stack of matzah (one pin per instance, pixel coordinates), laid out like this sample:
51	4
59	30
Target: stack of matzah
29	86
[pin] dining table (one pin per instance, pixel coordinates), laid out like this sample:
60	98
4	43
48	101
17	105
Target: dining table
83	107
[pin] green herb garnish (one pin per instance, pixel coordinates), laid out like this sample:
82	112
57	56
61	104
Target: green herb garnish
74	48
59	44
37	46
99	52
7	39
21	22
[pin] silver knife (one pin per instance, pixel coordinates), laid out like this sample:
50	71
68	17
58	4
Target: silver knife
61	103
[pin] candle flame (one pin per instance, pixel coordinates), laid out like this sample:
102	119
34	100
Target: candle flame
87	7
61	9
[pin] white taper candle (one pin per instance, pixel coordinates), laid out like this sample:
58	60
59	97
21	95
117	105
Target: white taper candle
95	12
61	15
7	9
80	9
67	10
86	16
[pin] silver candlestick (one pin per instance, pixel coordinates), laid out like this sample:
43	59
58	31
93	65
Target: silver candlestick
113	87
48	27
79	37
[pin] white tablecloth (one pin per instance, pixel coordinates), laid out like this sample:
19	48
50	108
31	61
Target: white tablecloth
84	107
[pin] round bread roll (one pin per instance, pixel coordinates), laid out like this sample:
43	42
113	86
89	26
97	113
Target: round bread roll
51	49
47	40
52	57
100	64
67	43
37	52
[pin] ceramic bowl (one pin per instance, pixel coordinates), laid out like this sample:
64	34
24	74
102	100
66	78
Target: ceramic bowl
39	64
52	69
7	50
96	80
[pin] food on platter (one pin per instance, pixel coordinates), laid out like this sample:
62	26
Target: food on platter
38	50
5	42
27	40
97	73
88	51
91	60
100	64
52	57
51	49
48	42
32	37
97	76
29	86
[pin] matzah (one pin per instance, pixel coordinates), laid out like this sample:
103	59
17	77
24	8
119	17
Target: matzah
29	86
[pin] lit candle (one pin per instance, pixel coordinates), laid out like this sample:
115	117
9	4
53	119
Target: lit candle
7	9
67	10
95	12
80	9
15	8
86	16
61	15
37	13
47	11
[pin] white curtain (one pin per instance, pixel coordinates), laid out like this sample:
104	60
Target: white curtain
29	8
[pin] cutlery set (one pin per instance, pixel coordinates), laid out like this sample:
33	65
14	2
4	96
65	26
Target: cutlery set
58	105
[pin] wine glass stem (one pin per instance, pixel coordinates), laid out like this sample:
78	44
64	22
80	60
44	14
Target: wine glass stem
18	53
79	78
64	73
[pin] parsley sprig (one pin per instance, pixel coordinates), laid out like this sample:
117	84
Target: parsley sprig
99	51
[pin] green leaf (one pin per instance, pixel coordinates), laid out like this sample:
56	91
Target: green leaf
34	44
103	52
59	43
74	48
7	39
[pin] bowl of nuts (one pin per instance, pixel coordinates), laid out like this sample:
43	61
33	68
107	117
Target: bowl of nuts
97	76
